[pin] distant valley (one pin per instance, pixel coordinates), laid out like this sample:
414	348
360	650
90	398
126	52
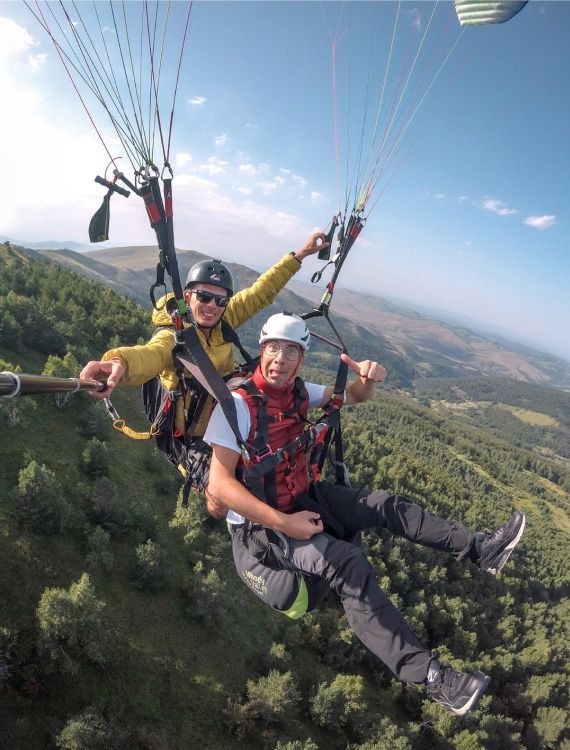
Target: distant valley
417	345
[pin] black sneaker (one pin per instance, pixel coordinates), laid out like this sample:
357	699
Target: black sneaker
457	692
495	547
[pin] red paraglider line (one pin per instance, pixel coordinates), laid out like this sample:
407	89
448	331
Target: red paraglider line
335	123
55	44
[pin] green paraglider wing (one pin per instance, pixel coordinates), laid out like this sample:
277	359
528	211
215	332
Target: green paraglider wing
476	12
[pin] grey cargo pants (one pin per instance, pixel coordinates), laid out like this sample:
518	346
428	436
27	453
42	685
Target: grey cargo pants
348	572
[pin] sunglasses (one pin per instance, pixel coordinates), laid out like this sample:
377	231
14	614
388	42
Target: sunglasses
291	352
206	297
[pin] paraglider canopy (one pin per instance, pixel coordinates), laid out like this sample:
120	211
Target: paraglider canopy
475	12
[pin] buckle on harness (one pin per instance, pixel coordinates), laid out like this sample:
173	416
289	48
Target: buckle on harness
266	451
335	404
319	432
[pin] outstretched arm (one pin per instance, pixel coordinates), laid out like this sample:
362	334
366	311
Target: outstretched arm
261	293
223	487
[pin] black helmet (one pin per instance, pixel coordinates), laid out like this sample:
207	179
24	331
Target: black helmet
211	272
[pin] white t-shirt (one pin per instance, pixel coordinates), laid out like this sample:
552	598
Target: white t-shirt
219	431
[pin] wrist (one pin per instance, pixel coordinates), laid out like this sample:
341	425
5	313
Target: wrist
297	255
280	522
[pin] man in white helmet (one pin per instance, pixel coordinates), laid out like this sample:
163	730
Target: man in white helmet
302	531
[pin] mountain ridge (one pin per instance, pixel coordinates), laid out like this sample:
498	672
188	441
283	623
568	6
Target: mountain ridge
420	345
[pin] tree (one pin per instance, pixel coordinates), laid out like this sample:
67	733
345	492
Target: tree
71	625
17	411
205	591
37	500
388	736
95	459
87	731
277	657
307	744
550	723
150	572
6	639
193	522
106	508
94	422
339	702
269	700
99	554
58	367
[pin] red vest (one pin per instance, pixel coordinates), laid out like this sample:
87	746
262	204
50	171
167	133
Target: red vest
278	416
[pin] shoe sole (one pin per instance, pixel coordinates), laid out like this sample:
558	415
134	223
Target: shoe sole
501	561
472	702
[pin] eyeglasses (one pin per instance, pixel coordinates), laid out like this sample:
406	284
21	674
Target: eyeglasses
206	297
291	352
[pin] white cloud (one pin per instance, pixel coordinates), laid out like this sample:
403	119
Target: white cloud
14	39
463	199
213	166
214	199
540	222
439	196
268	187
285	171
300	180
221	140
36	61
206	216
196	101
60	183
247	169
183	158
316	196
251	125
497	207
195	181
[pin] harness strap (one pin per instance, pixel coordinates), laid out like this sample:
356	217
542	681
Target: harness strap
188	343
230	334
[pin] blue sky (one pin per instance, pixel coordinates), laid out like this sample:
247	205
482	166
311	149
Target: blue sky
474	220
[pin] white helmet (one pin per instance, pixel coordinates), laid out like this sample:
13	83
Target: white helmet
286	326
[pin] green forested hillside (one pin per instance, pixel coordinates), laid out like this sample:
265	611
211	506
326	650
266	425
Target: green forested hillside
524	414
123	625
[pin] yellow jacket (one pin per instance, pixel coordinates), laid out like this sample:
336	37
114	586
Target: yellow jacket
155	358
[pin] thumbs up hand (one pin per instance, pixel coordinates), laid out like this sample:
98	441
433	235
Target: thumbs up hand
367	369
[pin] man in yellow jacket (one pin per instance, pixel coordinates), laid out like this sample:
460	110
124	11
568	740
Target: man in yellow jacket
135	365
